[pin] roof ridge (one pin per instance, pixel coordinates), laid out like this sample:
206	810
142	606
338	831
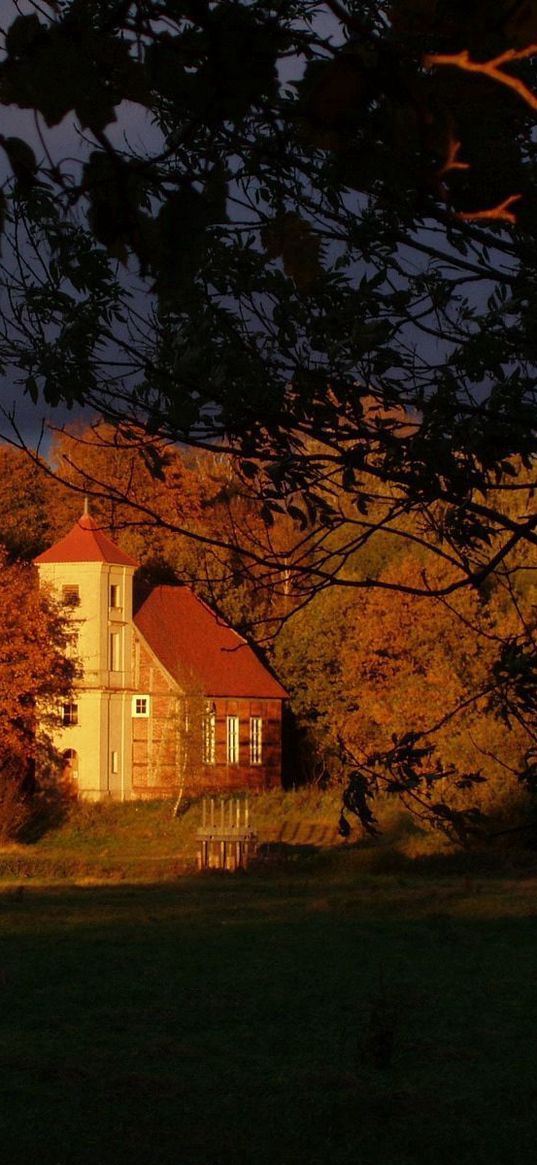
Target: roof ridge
181	627
86	542
223	621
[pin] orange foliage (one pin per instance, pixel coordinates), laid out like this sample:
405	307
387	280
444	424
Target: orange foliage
116	467
174	512
26	504
419	664
34	667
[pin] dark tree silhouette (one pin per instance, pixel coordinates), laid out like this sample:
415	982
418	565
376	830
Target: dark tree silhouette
316	249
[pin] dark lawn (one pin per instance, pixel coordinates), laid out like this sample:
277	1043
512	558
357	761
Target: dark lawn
228	1020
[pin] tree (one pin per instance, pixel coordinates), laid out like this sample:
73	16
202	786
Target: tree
36	676
322	291
407	695
190	517
320	259
25	527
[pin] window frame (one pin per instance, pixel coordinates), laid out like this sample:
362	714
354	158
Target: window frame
232	740
141	713
256	740
115	652
114	596
70	595
70	714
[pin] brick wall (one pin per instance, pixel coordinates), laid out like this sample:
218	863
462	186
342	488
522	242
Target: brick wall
168	744
244	775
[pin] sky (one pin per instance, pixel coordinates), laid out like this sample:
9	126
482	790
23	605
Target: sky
63	141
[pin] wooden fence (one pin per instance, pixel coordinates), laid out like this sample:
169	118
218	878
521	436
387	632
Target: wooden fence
225	840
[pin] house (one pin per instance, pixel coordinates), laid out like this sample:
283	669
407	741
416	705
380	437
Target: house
170	697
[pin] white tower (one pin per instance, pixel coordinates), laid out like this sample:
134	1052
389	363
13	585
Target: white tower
93	579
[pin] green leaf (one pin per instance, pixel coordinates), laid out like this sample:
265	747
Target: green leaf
249	469
115	191
180	235
266	515
297	243
31	387
299	516
23	34
22	161
68	66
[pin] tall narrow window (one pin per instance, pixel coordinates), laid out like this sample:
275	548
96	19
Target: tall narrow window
115	600
256	740
232	740
114	762
115	651
209	735
70	714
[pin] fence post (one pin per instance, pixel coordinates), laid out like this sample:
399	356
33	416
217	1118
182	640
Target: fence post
229	844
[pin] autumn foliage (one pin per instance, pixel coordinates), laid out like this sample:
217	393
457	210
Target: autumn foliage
393	691
403	694
36	675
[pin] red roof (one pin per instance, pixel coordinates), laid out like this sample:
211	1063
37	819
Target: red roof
86	542
194	643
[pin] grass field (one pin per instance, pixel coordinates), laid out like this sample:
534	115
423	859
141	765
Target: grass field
229	1019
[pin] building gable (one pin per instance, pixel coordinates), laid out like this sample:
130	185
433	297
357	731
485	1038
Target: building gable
196	646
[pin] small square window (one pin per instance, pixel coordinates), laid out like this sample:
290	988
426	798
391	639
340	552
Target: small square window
70	596
140	706
70	714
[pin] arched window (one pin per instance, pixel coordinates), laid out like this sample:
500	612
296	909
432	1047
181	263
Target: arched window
70	764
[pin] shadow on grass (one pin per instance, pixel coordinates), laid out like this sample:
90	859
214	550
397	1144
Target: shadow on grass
381	857
347	866
47	809
220	1021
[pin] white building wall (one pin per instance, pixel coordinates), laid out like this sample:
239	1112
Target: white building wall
102	738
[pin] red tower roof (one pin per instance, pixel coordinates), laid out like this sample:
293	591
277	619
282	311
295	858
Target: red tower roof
86	542
195	644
